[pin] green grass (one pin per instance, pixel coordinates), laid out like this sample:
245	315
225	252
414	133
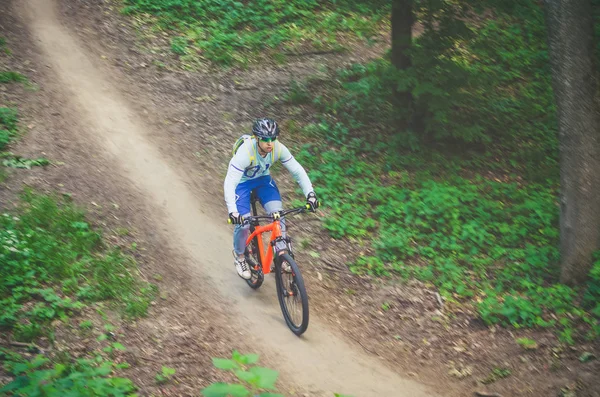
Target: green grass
231	32
80	377
53	264
12	161
253	379
468	200
4	47
8	116
477	239
8	133
12	77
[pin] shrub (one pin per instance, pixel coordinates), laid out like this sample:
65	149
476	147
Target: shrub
229	32
53	262
81	378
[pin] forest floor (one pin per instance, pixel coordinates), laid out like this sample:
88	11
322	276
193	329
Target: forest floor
144	145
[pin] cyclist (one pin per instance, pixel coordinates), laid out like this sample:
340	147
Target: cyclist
249	169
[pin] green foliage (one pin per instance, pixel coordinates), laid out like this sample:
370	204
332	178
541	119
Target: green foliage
591	299
8	118
527	344
255	378
297	93
496	374
229	32
487	82
3	46
164	375
82	378
479	222
86	325
12	77
179	45
9	131
586	357
115	346
476	237
8	126
242	366
5	138
53	262
13	161
484	84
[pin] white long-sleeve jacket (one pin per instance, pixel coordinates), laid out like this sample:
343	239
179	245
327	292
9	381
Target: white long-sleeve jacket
248	164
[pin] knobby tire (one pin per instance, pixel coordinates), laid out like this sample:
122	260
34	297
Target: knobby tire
285	286
257	278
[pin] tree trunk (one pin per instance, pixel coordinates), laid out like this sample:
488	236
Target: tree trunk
570	38
402	22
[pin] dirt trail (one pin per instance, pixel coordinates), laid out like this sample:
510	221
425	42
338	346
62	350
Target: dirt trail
319	360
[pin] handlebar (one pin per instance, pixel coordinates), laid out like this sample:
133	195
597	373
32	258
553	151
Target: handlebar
273	217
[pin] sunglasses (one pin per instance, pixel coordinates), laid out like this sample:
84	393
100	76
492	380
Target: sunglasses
268	139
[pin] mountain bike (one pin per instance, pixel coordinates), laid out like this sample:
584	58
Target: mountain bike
279	257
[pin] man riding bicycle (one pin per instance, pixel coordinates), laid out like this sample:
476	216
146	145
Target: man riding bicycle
249	170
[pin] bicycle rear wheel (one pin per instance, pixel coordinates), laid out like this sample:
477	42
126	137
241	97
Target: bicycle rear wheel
292	295
253	259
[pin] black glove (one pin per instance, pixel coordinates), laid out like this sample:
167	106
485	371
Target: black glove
236	218
313	201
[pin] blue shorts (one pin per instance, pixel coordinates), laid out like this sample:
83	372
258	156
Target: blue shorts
266	191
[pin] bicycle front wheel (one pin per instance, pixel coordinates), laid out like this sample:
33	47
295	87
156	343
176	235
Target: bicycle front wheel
292	295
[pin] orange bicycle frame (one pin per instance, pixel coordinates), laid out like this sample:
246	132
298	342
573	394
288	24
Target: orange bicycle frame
266	257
